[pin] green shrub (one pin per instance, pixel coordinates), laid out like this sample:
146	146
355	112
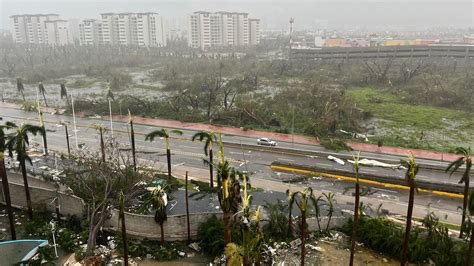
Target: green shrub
432	243
211	235
277	227
335	144
79	254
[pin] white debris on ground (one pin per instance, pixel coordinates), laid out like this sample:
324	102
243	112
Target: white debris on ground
375	163
335	159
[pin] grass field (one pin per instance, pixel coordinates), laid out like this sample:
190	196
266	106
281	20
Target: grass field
413	126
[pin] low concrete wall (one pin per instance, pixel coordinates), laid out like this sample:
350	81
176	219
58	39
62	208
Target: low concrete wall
69	204
144	226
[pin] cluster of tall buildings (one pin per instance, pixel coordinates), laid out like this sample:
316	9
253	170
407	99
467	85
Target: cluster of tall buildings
141	29
222	29
205	30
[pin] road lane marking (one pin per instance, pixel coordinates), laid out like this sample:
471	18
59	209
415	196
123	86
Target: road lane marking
372	182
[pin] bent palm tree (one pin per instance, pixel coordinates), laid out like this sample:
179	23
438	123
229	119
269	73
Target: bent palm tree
42	90
209	138
163	133
3	175
412	170
356	208
452	167
64	92
132	140
101	130
303	200
17	143
157	200
20	88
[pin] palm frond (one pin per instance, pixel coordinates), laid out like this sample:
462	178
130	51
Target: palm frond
453	166
157	133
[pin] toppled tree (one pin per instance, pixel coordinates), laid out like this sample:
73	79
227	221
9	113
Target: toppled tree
99	184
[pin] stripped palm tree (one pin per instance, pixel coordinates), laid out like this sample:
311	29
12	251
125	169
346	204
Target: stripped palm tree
4	176
164	133
303	200
102	130
356	207
209	138
470	208
123	227
42	90
64	92
41	121
132	140
20	88
466	158
157	200
412	170
17	143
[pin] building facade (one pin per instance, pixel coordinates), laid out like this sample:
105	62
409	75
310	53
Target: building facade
31	28
222	29
90	32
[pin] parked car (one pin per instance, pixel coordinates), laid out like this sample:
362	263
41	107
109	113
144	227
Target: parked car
266	141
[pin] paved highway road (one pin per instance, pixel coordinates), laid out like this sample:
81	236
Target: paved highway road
188	155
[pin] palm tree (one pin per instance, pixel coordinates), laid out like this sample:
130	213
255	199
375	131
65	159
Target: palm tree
163	133
43	128
123	228
20	88
42	90
132	140
157	200
412	170
470	208
228	183
64	92
18	143
102	130
303	200
3	175
209	137
356	207
452	167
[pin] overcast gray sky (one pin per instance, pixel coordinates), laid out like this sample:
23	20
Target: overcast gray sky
274	14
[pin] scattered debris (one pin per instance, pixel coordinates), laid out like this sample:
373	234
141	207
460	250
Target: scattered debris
195	246
335	159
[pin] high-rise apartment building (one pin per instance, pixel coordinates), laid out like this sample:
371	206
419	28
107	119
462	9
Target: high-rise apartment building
254	31
90	32
206	29
142	29
30	29
56	32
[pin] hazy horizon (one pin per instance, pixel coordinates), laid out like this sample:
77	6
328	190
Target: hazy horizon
274	14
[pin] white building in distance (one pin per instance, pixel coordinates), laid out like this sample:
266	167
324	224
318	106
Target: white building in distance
142	29
31	28
222	29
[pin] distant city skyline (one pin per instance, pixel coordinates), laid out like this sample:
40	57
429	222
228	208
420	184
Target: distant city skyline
274	15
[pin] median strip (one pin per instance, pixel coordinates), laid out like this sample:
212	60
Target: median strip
366	181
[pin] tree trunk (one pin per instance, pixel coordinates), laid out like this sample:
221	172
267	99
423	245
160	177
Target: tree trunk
27	188
408	223
211	171
471	245
162	234
464	204
45	142
6	193
58	213
45	102
290	225
132	138
187	208
124	240
67	142
303	236
168	159
102	145
227	228
354	225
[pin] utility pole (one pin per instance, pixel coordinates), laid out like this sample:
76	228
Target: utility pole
292	20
